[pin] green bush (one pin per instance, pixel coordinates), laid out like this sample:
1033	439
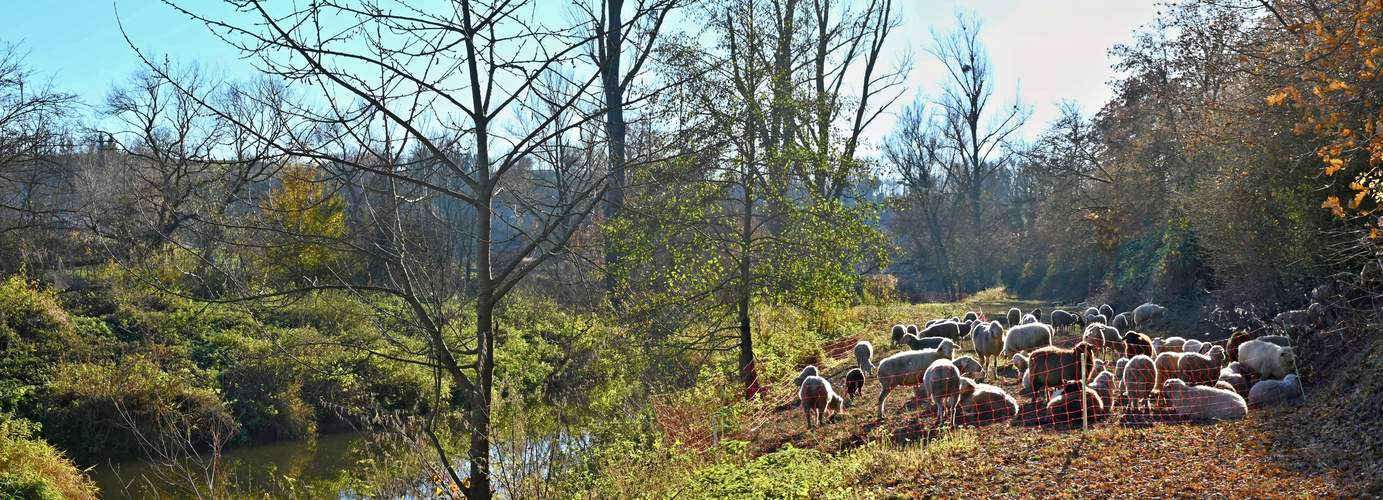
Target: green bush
790	473
33	469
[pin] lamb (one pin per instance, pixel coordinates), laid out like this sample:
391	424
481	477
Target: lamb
1065	409
854	383
1037	314
1019	362
1267	360
1201	369
1014	314
1062	319
818	398
906	368
917	344
1103	337
987	403
1028	319
1107	310
1103	385
1091	312
989	341
1147	313
864	352
1173	344
809	371
1024	337
1204	403
969	367
1167	364
1192	345
942	381
1123	322
911	329
1139	377
1052	366
1098	318
1137	343
898	332
1119	368
971	316
1271	392
1233	375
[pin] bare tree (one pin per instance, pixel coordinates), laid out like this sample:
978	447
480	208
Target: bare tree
405	108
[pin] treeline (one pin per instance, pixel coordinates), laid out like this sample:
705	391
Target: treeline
430	167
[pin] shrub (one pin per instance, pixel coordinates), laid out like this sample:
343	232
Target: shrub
33	469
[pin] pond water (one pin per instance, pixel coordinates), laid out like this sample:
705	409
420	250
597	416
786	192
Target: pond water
318	469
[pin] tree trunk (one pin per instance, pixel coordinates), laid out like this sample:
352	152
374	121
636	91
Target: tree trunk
614	128
479	453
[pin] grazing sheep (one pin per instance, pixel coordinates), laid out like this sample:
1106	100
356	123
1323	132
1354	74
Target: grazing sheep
917	344
971	316
1028	319
1090	313
1201	369
1103	385
1019	362
1063	319
1098	318
1279	340
1119	368
1271	392
1104	337
1024	337
969	367
989	341
1122	321
1137	343
1014	314
1267	360
942	381
1167	364
911	329
809	371
949	329
1192	345
987	403
906	368
898	332
1148	313
1172	344
933	322
1065	409
1037	314
864	352
1107	310
1139	377
1232	346
1204	403
854	383
818	398
1052	366
1295	322
1233	375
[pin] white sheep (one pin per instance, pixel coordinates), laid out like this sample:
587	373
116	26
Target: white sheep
1024	337
917	344
1139	377
1193	345
1173	344
942	381
1019	362
904	369
1107	310
864	353
989	341
1271	392
1146	313
1062	319
1122	321
1233	375
1267	360
969	367
817	398
1167	365
1204	403
1103	337
1198	369
809	371
986	403
1028	319
1103	384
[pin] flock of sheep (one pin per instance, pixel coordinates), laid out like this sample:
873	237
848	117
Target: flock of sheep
1199	380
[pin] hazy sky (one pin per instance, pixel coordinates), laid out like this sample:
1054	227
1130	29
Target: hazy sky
1046	49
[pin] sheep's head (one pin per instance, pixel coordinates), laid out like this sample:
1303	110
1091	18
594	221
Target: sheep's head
947	348
1173	385
1289	359
836	404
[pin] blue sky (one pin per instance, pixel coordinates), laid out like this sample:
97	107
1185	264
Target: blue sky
1047	49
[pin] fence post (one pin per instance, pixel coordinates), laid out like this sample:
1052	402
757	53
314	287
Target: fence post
1084	422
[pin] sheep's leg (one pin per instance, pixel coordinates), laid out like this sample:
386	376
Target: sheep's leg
884	389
